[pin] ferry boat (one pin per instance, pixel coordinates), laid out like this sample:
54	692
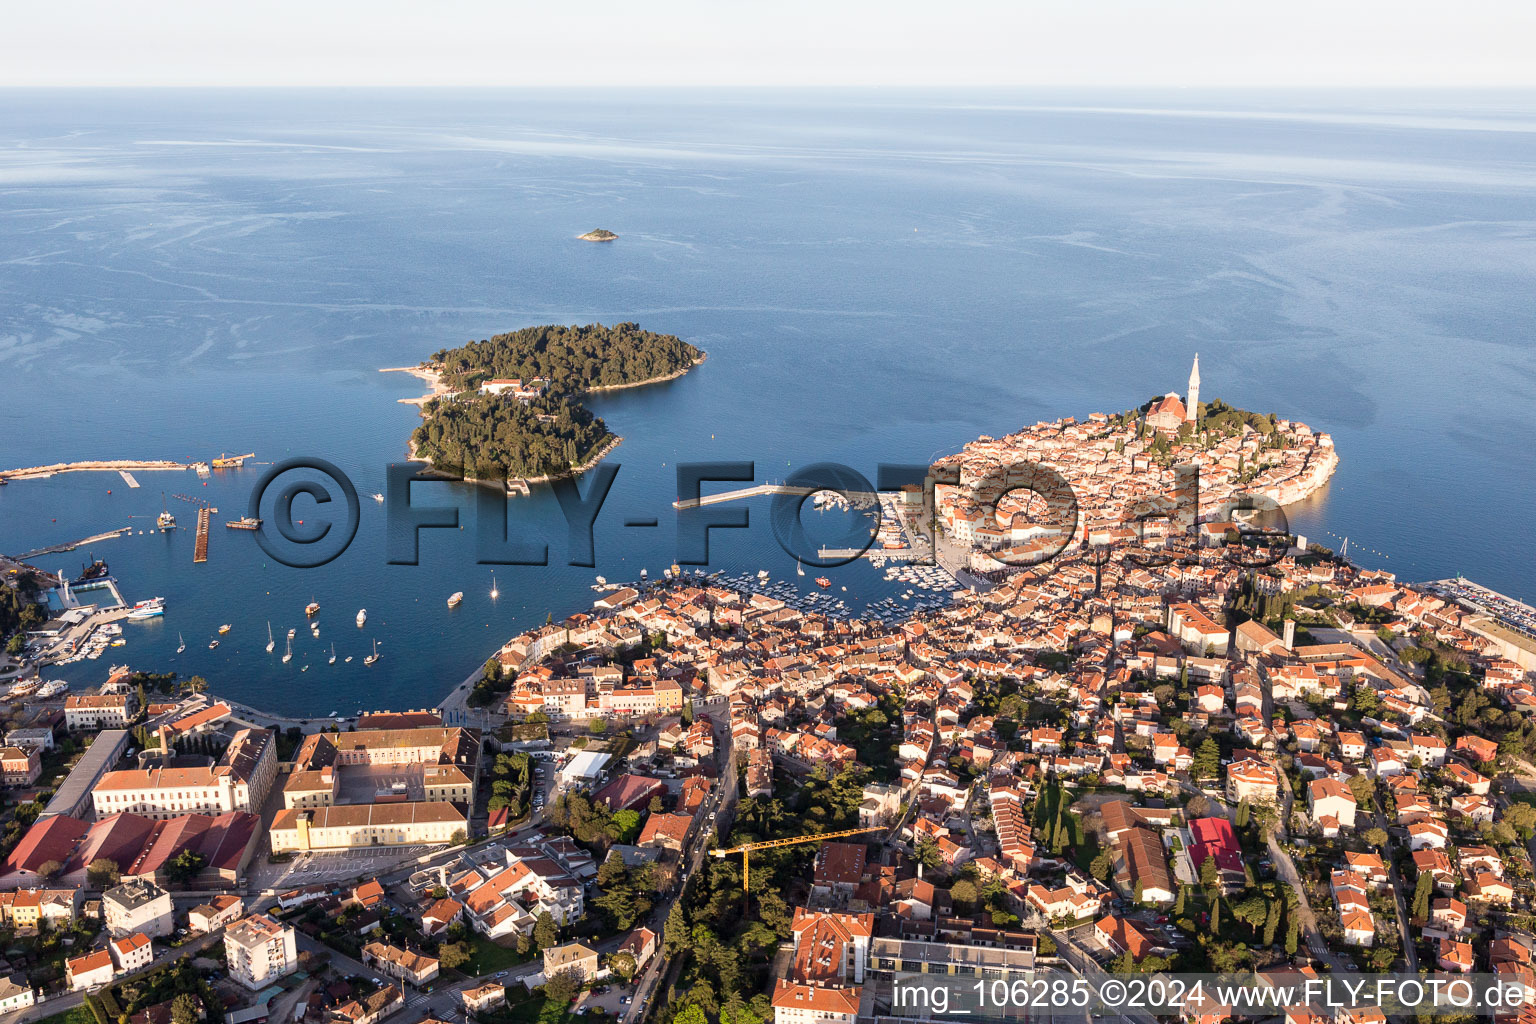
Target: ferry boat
244	523
454	598
312	607
51	688
225	628
148	609
362	617
374	656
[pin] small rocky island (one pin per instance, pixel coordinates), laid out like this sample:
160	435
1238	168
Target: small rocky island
510	407
598	235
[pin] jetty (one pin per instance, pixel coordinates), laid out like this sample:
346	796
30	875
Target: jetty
60	548
101	466
743	492
200	552
128	478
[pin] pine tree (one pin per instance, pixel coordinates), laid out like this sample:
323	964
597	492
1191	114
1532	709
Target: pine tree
1271	922
1292	933
1242	813
1178	903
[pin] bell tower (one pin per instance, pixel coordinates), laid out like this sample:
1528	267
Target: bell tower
1192	406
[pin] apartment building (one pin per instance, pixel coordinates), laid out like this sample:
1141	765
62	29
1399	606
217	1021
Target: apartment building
260	950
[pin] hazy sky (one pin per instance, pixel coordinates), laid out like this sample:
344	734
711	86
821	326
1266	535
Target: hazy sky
784	42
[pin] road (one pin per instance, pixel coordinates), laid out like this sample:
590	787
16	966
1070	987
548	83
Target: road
1286	869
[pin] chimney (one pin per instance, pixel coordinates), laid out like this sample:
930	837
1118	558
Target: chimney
1290	634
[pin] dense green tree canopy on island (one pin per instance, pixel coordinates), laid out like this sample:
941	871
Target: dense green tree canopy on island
491	436
574	358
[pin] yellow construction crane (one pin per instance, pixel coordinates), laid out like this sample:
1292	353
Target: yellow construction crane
746	850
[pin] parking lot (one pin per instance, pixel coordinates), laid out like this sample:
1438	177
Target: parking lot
313	868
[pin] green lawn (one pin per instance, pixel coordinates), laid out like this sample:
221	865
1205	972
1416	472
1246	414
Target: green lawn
529	1008
78	1015
488	957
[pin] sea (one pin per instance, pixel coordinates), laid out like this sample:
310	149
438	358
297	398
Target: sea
877	277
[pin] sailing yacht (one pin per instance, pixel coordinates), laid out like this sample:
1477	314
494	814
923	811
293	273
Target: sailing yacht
799	569
181	642
271	643
333	655
374	656
494	592
287	651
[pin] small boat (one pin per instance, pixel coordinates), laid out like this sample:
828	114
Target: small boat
212	644
288	651
182	642
165	520
271	643
312	607
347	658
602	579
642	574
823	582
799	569
333	655
304	669
225	628
362	617
454	598
378	497
374	656
494	592
292	633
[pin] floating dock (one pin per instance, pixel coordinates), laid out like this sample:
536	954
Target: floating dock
127	478
200	552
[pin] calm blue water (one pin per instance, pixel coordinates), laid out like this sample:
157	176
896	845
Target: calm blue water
875	277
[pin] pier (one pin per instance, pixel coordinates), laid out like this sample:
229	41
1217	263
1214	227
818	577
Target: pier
128	478
60	548
200	552
744	492
107	466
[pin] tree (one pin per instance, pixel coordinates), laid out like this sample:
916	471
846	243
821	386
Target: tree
1362	789
545	933
563	987
690	1014
1178	902
1198	807
1423	889
102	873
1207	760
1271	922
1521	817
453	954
1292	933
963	892
186	1009
524	944
675	936
928	853
1208	875
623	964
598	726
1377	837
187	866
1242	813
49	868
1101	866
